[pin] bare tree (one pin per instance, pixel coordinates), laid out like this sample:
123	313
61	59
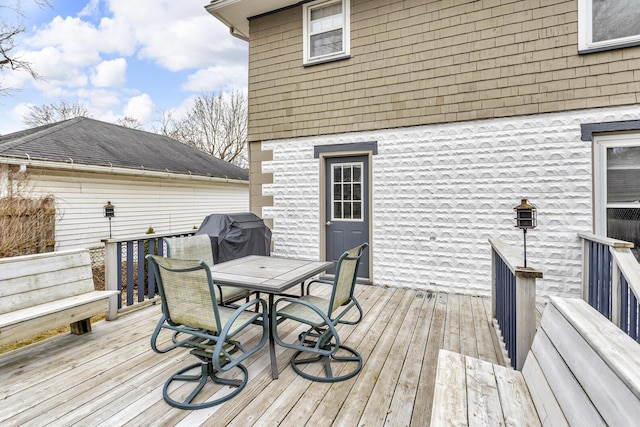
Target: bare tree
44	114
130	122
215	124
9	33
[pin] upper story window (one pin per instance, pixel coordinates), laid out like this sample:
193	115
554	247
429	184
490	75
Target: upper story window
608	24
326	31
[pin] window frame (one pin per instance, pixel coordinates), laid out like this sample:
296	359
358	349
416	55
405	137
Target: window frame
585	33
307	8
601	144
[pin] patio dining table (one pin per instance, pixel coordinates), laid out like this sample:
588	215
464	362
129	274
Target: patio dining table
270	275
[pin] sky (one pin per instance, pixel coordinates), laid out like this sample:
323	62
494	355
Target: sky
135	58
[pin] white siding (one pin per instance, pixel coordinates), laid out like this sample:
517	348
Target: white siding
165	204
440	192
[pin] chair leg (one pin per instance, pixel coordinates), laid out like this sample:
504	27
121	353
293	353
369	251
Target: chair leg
331	363
206	371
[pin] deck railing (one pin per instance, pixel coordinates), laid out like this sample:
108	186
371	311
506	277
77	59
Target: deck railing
513	295
611	281
127	270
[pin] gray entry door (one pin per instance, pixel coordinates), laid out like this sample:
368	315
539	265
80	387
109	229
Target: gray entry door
347	208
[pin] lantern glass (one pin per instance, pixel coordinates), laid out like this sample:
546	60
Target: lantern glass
109	210
526	215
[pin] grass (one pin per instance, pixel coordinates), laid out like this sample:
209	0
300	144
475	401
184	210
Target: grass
41	336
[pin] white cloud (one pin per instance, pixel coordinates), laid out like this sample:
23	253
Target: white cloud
111	73
80	41
56	70
140	107
178	35
217	78
99	99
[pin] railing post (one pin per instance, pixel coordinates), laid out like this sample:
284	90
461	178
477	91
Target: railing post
111	277
513	300
494	281
525	311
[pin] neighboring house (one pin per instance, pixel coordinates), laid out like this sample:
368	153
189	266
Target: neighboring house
152	180
445	113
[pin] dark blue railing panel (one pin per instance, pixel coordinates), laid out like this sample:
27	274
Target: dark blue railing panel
506	305
600	278
601	291
136	279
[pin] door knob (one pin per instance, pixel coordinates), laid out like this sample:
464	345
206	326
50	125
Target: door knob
328	223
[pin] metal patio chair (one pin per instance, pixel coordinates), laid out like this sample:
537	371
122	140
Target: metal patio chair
190	312
198	247
321	342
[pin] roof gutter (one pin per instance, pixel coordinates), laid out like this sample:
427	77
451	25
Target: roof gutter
214	6
111	170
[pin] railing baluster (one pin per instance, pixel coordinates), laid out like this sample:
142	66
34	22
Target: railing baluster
140	262
130	273
119	270
624	305
634	331
593	274
151	279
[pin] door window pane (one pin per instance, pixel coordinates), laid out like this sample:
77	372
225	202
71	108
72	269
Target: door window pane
347	191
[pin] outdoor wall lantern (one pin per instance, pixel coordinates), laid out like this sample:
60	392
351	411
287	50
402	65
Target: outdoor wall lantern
109	212
526	218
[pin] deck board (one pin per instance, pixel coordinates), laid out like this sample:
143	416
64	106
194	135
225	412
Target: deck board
112	377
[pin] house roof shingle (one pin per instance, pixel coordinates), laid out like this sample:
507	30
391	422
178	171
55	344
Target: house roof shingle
93	142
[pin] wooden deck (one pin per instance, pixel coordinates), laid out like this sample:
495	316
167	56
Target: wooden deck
112	377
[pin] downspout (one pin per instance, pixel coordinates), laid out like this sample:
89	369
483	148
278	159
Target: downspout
233	32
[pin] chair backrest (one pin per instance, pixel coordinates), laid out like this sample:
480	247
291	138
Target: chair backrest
196	247
346	275
187	292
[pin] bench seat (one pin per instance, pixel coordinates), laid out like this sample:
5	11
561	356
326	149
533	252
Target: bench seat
45	291
581	370
470	391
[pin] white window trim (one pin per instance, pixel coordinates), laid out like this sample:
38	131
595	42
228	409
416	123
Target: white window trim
601	143
346	32
585	32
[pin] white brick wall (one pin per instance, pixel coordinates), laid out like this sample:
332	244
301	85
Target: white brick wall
440	192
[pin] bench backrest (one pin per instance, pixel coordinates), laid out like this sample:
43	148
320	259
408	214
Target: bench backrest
582	369
29	280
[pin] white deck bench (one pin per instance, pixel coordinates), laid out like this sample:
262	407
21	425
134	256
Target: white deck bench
45	291
581	371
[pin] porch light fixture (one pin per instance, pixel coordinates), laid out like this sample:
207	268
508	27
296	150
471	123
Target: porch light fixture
109	212
526	218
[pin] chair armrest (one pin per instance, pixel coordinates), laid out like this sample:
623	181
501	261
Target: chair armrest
219	349
321	281
327	321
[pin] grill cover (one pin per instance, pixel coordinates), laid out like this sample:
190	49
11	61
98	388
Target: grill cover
236	235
